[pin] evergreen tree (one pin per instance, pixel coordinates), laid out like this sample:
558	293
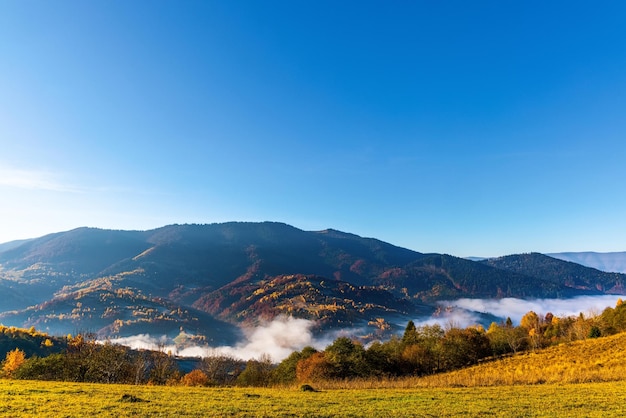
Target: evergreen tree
410	335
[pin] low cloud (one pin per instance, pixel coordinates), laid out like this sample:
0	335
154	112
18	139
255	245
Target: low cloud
468	309
278	339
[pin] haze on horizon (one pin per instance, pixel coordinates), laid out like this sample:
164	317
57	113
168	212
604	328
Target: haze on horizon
473	129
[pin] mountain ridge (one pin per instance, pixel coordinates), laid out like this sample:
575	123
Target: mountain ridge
237	273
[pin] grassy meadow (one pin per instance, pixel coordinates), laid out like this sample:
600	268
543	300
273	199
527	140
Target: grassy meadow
54	399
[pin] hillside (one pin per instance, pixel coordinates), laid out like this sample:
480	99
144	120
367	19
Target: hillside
203	277
31	342
330	303
104	307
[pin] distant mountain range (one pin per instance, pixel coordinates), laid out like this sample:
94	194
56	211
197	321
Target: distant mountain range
611	262
210	279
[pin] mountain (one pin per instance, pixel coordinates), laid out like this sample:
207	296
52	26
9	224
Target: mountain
610	262
107	280
559	272
12	244
211	279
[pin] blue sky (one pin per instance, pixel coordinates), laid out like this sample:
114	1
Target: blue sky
469	128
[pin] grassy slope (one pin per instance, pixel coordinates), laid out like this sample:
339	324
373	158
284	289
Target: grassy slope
597	360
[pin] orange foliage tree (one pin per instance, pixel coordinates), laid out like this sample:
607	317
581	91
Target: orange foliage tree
13	361
313	368
195	378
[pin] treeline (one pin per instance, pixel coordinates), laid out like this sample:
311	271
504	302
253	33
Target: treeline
86	360
419	351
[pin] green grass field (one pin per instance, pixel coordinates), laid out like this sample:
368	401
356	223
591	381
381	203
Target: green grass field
54	399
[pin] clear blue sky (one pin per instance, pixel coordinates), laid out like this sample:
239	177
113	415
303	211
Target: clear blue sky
464	127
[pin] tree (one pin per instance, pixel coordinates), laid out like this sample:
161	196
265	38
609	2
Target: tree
313	368
162	368
464	346
80	350
140	367
385	359
109	363
222	370
516	338
529	321
285	372
580	327
257	372
52	367
498	339
533	326
195	378
431	338
346	359
410	335
594	332
416	359
13	361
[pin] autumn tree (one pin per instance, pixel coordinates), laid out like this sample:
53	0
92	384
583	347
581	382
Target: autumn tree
431	337
497	336
285	372
13	361
533	326
313	368
80	350
530	320
581	327
416	359
195	378
464	346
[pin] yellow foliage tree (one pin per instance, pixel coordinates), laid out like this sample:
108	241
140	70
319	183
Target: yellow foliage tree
13	361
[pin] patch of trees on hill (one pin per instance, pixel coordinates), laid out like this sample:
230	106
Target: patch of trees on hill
420	351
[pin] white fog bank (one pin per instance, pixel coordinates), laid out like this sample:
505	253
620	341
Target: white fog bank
278	339
466	309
